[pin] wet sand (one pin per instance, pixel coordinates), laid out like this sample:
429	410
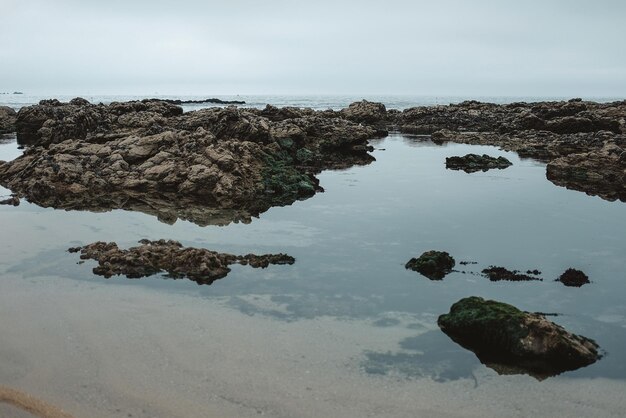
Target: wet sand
107	350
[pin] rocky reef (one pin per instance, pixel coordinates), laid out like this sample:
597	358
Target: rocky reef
582	142
151	257
149	156
472	163
512	341
433	264
225	164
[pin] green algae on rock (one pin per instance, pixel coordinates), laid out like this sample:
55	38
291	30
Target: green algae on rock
433	264
512	341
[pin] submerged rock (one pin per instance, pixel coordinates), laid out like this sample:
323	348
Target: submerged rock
573	278
471	163
496	274
433	264
512	341
198	264
7	120
212	101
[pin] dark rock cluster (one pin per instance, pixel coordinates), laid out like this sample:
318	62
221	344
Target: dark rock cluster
149	156
472	163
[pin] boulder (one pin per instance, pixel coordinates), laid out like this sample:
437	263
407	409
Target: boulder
510	340
365	112
433	264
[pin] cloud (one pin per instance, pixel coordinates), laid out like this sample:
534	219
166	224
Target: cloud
450	47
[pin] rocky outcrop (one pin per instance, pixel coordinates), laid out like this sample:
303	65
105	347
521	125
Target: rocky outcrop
496	274
472	163
600	172
573	278
512	341
149	155
370	113
574	137
433	264
151	257
7	120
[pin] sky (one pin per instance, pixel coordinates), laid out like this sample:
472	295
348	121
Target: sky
573	48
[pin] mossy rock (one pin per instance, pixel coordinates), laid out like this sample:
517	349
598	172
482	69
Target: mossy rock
433	264
506	338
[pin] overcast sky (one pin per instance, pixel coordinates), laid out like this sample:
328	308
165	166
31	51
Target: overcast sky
450	47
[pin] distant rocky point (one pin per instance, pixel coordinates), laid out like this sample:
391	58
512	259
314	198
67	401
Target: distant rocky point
214	101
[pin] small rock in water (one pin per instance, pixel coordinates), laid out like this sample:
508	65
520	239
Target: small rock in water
495	274
512	341
433	264
471	163
573	278
198	264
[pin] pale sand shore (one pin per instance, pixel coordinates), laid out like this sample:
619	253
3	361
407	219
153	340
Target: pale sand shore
105	350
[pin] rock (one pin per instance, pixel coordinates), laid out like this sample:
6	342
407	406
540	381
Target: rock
554	132
573	278
12	201
366	112
471	163
512	341
433	264
496	274
7	120
149	156
151	257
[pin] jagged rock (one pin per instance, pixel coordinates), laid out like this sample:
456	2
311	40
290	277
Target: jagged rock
433	264
573	278
141	154
496	274
512	341
471	163
151	257
7	120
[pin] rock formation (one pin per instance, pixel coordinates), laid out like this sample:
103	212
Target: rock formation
512	341
7	120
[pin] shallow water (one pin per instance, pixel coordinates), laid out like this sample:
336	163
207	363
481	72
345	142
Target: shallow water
345	323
